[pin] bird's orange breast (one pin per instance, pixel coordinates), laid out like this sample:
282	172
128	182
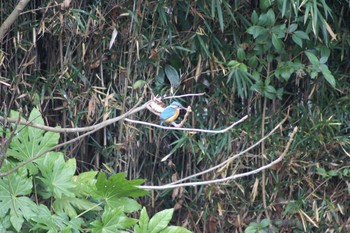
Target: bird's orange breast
173	118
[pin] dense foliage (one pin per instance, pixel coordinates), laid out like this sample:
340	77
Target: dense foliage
82	62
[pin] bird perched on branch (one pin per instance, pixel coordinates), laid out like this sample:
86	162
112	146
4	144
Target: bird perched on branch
170	113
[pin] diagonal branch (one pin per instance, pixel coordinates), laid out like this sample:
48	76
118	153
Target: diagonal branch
171	186
12	18
235	156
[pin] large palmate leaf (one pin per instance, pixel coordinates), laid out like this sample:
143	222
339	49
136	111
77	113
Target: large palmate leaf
69	205
57	175
30	141
13	189
116	191
45	221
113	221
158	223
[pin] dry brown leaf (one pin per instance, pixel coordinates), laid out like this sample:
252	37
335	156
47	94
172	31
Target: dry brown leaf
91	108
65	4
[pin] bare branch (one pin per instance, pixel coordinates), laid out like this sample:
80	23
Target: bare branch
171	186
235	156
189	129
12	18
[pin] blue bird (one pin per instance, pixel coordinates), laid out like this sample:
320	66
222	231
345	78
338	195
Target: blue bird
170	113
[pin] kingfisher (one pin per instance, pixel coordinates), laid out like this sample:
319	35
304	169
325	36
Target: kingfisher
170	113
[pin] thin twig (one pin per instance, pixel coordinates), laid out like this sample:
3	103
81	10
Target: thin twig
172	186
188	129
185	95
77	129
235	156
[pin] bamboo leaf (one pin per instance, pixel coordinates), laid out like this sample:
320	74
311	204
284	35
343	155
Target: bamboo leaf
172	75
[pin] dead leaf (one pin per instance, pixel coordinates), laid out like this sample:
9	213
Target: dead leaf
65	4
91	108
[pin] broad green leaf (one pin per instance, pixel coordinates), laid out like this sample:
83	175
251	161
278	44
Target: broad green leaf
264	223
279	93
113	221
333	173
312	58
172	75
69	205
85	183
327	75
241	54
253	62
13	199
130	205
301	35
116	187
292	27
44	220
254	18
160	78
264	4
175	229
297	40
160	221
233	64
277	43
142	226
139	84
323	60
30	141
325	51
256	31
57	175
271	17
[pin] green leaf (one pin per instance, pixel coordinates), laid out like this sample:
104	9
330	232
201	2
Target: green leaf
31	141
241	54
292	27
333	173
130	205
175	229
113	221
220	15
142	226
69	205
279	93
312	58
254	18
57	175
257	31
251	229
277	43
271	17
301	35
44	220
85	183
253	62
172	75
160	78
160	220
297	40
139	84
116	187
233	64
327	75
13	199
264	223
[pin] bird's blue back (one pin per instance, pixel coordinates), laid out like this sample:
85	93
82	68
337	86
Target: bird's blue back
167	113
